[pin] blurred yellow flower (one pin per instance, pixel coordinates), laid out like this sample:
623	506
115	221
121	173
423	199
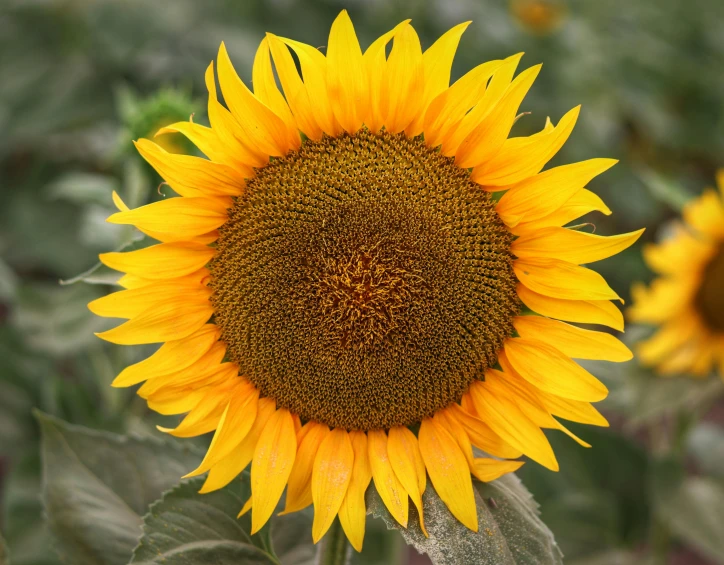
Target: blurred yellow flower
318	297
539	17
687	300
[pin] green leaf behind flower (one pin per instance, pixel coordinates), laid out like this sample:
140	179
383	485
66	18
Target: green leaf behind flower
510	531
187	528
97	485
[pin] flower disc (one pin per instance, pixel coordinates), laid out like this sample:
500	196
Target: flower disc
364	281
709	299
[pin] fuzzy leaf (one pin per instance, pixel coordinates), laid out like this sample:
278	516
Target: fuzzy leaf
510	531
97	485
186	528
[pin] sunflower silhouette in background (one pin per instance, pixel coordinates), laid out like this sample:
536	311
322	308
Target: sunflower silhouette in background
687	300
339	297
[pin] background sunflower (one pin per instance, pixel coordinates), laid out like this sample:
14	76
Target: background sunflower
81	79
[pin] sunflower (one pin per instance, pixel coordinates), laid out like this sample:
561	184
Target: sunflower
339	296
687	301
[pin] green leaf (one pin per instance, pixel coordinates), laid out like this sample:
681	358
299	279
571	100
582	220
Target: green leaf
692	508
706	446
97	485
187	528
510	531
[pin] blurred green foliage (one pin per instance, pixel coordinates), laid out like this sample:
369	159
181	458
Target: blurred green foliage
82	78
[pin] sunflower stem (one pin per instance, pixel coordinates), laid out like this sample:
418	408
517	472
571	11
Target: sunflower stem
334	549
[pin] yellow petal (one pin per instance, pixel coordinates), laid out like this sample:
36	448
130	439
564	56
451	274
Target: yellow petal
346	75
437	64
131	303
706	214
545	192
177	404
273	459
669	338
172	319
538	196
236	140
376	68
583	311
245	508
448	469
559	279
235	423
682	246
522	157
265	89
550	370
500	81
456	430
162	261
299	492
482	436
484	142
582	202
408	465
352	512
389	487
205	416
510	384
210	144
259	123
181	216
572	341
223	472
665	299
171	356
192	176
488	470
571	245
513	425
314	72
330	478
199	372
294	89
447	109
405	81
573	410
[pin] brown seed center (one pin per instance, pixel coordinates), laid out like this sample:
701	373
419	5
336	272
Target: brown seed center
364	281
709	299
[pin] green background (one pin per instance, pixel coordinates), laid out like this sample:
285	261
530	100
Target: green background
80	79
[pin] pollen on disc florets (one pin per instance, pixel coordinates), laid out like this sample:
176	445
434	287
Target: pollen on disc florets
364	281
709	298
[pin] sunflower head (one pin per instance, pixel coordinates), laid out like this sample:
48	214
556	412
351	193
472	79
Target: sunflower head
321	296
687	299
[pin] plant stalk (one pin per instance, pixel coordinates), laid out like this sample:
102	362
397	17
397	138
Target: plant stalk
334	549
